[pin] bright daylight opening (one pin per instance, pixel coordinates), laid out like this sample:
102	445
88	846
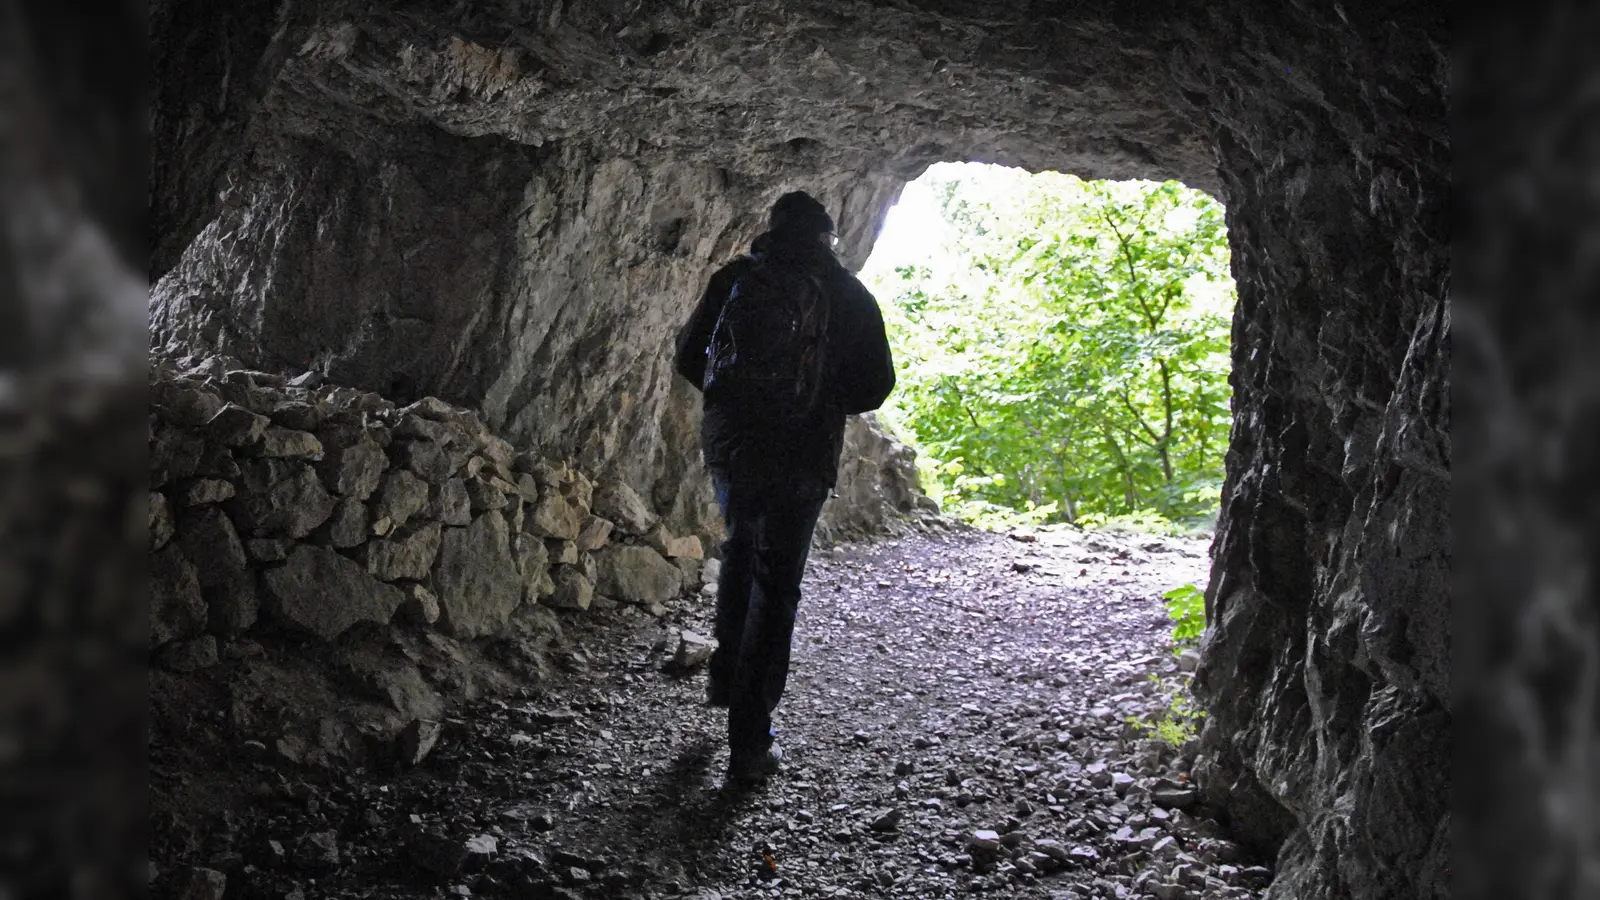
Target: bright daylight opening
1062	346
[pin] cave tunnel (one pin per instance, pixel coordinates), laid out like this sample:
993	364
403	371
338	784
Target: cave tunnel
510	207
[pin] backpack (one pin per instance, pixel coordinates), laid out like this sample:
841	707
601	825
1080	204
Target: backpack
767	348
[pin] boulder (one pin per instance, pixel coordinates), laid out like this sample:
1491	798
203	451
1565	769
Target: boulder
174	454
348	527
323	593
296	415
394	679
533	562
449	502
693	650
432	408
280	500
196	883
408	554
414	426
488	493
268	549
421	606
216	461
177	609
554	516
354	471
189	656
416	741
564	553
430	460
526	461
691	572
589	566
657	537
637	574
501	455
401	496
594	532
619	503
578	489
227	582
184	404
549	473
287	443
572	589
477	577
684	548
159	515
235	426
200	491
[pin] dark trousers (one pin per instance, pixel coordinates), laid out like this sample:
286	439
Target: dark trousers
769	520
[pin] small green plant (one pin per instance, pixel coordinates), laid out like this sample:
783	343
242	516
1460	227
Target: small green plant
994	517
1186	607
1140	521
1179	724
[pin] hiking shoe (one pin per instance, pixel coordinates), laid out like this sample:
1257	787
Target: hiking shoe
716	692
753	768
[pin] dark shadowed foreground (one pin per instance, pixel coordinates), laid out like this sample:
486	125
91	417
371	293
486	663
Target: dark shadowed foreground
955	724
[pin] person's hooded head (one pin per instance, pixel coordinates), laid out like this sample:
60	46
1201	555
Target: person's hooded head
798	215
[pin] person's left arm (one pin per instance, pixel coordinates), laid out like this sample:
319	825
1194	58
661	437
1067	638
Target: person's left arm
866	372
695	336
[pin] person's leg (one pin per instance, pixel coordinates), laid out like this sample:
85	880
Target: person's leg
733	585
781	553
782	544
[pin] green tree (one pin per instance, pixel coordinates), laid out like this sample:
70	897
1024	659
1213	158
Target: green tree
1063	345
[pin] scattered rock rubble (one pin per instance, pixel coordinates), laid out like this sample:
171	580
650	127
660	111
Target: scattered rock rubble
956	725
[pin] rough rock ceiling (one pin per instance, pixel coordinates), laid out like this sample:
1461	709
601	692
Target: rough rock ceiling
764	86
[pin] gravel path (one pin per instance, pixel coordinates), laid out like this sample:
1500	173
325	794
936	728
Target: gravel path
955	725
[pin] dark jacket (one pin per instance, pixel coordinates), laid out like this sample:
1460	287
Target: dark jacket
860	372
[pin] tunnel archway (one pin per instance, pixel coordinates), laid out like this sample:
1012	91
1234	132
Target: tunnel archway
511	209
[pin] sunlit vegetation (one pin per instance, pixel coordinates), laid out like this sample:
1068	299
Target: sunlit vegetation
1062	345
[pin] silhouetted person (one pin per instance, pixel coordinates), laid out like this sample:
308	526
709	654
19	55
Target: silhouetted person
784	344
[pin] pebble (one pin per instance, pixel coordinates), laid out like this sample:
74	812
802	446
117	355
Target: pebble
318	851
197	883
984	841
887	820
1005	734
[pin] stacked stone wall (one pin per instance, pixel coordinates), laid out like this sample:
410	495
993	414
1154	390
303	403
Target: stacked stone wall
285	504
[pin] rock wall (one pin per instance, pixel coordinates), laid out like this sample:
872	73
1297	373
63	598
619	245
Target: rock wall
542	288
285	505
1326	666
879	488
514	211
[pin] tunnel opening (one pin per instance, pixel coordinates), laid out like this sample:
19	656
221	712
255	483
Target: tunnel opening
512	212
1062	346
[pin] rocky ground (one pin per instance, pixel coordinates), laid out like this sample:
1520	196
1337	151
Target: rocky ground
956	725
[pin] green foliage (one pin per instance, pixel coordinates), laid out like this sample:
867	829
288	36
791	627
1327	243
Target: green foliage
1186	607
1179	724
1143	521
1062	348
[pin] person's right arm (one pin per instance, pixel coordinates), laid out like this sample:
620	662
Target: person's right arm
695	336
